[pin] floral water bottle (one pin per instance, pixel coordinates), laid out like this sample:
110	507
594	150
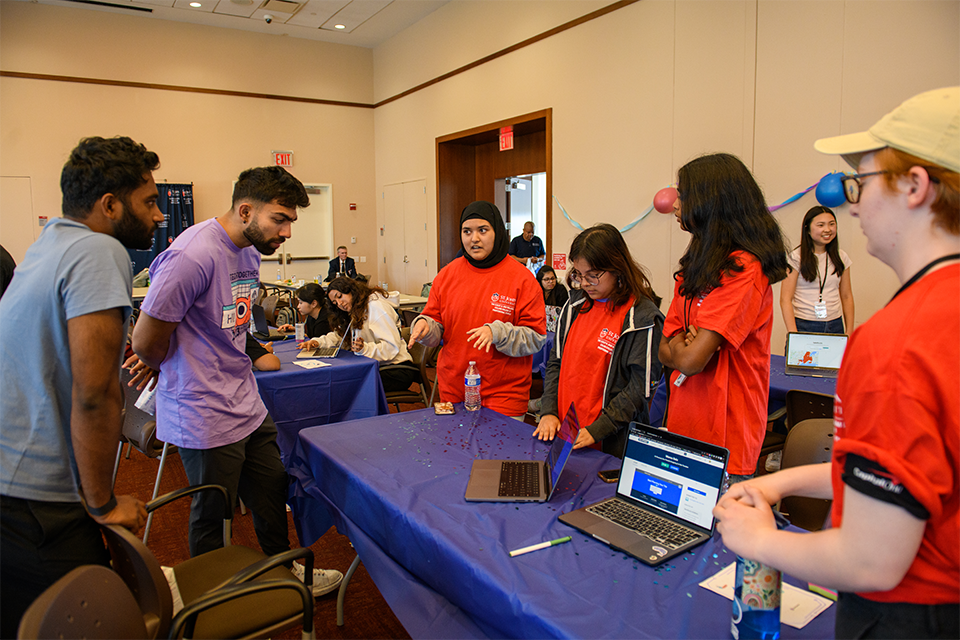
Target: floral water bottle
471	387
756	602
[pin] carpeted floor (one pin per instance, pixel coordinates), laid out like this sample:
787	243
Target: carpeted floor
366	613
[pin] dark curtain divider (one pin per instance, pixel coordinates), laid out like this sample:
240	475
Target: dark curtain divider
176	203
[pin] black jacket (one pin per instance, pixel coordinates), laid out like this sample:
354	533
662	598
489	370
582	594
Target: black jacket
349	268
634	371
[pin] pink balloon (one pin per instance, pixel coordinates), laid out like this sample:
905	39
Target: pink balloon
663	201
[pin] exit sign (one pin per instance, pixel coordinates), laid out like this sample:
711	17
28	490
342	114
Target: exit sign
506	138
283	158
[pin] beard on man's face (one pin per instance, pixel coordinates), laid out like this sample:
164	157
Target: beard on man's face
131	231
254	234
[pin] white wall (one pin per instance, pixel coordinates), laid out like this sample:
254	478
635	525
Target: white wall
206	139
637	93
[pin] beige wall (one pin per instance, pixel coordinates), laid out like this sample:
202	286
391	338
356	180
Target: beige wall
637	93
206	139
634	94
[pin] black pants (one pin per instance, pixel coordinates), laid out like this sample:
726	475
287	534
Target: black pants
250	468
398	379
40	542
861	618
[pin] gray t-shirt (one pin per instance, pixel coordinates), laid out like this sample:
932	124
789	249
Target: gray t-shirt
70	271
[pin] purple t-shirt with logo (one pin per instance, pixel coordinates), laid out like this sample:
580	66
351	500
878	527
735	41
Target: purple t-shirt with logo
207	396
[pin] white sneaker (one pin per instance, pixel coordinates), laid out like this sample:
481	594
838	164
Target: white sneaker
324	580
773	461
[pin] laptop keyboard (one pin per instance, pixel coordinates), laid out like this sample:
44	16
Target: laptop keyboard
645	523
324	352
519	479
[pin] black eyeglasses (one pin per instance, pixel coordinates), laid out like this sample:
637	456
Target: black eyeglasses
590	280
852	186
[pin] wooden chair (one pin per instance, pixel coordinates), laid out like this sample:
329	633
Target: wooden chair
231	592
808	442
89	602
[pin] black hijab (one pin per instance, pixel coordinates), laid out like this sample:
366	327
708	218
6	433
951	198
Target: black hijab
489	212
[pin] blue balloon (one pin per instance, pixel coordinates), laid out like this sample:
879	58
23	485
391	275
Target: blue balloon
830	190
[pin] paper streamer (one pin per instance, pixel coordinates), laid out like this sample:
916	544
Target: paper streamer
643	215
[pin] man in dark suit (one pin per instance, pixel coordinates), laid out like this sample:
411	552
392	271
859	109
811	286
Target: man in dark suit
341	264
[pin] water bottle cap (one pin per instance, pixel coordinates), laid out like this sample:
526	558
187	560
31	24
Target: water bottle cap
473	362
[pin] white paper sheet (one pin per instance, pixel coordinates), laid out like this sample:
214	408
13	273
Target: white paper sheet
797	607
310	364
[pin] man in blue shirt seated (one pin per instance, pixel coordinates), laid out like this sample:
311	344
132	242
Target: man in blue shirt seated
527	246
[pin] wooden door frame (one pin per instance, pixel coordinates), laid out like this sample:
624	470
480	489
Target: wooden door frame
464	164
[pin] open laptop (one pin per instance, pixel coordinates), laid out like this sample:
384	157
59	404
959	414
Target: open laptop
668	487
814	354
262	330
326	352
524	480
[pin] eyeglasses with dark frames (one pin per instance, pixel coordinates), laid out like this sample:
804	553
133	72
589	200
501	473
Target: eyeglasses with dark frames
852	185
593	280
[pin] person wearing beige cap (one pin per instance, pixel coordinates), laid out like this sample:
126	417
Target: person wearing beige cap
893	550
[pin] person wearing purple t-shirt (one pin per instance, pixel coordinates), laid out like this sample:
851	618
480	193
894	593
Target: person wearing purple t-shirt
192	328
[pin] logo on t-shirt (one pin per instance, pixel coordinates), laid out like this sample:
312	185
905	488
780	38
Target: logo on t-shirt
607	340
503	304
237	315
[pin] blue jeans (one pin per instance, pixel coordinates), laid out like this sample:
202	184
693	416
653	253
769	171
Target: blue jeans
820	326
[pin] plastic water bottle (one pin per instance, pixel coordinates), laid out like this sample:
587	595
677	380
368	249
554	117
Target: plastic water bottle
278	275
471	387
756	602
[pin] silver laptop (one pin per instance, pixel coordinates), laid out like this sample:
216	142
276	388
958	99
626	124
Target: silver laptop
261	329
814	354
668	487
524	480
326	352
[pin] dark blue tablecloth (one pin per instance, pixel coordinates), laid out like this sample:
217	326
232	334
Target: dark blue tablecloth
349	389
541	357
395	485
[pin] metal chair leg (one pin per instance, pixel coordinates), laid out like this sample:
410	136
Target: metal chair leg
342	593
156	490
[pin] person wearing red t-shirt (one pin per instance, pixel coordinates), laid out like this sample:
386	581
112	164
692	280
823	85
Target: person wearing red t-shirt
893	551
719	324
604	359
484	299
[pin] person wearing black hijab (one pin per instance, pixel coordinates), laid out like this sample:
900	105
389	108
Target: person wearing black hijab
481	300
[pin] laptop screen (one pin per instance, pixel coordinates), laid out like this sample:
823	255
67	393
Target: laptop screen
562	445
815	350
260	320
672	474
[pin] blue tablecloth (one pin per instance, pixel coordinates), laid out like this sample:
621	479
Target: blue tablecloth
780	383
541	357
349	389
395	485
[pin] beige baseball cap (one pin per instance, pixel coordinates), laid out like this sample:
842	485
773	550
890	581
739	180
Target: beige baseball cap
926	126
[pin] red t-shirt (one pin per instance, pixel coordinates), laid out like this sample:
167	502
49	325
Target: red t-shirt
726	403
898	407
463	298
586	360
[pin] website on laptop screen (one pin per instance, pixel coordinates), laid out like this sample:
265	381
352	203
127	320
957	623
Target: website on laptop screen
816	350
673	479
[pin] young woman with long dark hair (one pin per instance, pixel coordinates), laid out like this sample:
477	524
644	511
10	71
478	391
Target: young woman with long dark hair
554	293
604	358
816	296
354	305
311	303
717	331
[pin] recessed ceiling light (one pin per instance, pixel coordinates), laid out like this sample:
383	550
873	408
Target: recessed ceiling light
195	5
339	26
